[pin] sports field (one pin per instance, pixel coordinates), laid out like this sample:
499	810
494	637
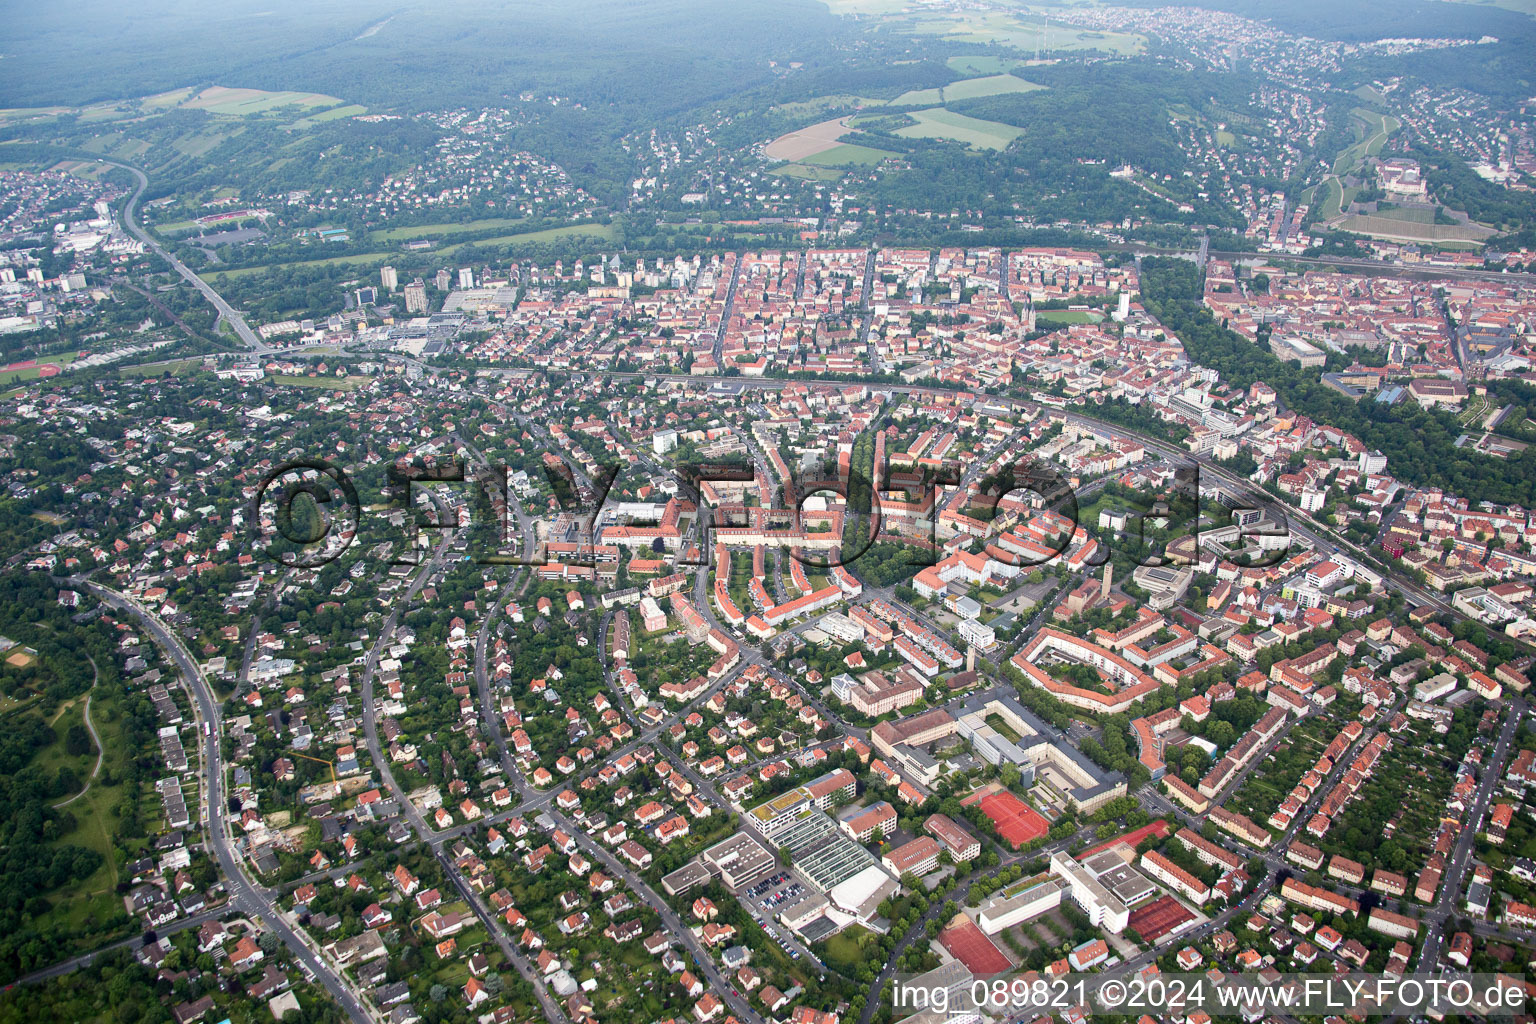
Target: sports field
1159	917
1016	821
970	946
34	369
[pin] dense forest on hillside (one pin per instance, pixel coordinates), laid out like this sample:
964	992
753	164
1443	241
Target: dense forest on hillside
652	57
1419	444
1117	112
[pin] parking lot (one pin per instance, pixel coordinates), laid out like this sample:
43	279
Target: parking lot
766	898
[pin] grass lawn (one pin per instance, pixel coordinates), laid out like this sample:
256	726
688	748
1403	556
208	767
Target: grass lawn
53	757
842	950
846	156
1374	128
1330	203
1002	727
1066	316
939	123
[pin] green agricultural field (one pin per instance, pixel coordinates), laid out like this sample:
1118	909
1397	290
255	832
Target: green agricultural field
992	85
939	123
366	259
848	156
334	114
965	89
919	98
1328	198
220	99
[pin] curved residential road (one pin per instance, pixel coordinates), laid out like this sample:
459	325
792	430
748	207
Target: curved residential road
226	312
245	894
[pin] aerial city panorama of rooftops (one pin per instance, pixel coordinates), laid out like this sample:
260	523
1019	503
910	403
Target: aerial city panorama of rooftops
670	513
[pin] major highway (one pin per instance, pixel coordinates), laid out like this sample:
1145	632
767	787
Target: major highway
227	313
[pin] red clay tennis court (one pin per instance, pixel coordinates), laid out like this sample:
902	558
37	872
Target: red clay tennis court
1016	821
1158	828
970	946
1159	917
